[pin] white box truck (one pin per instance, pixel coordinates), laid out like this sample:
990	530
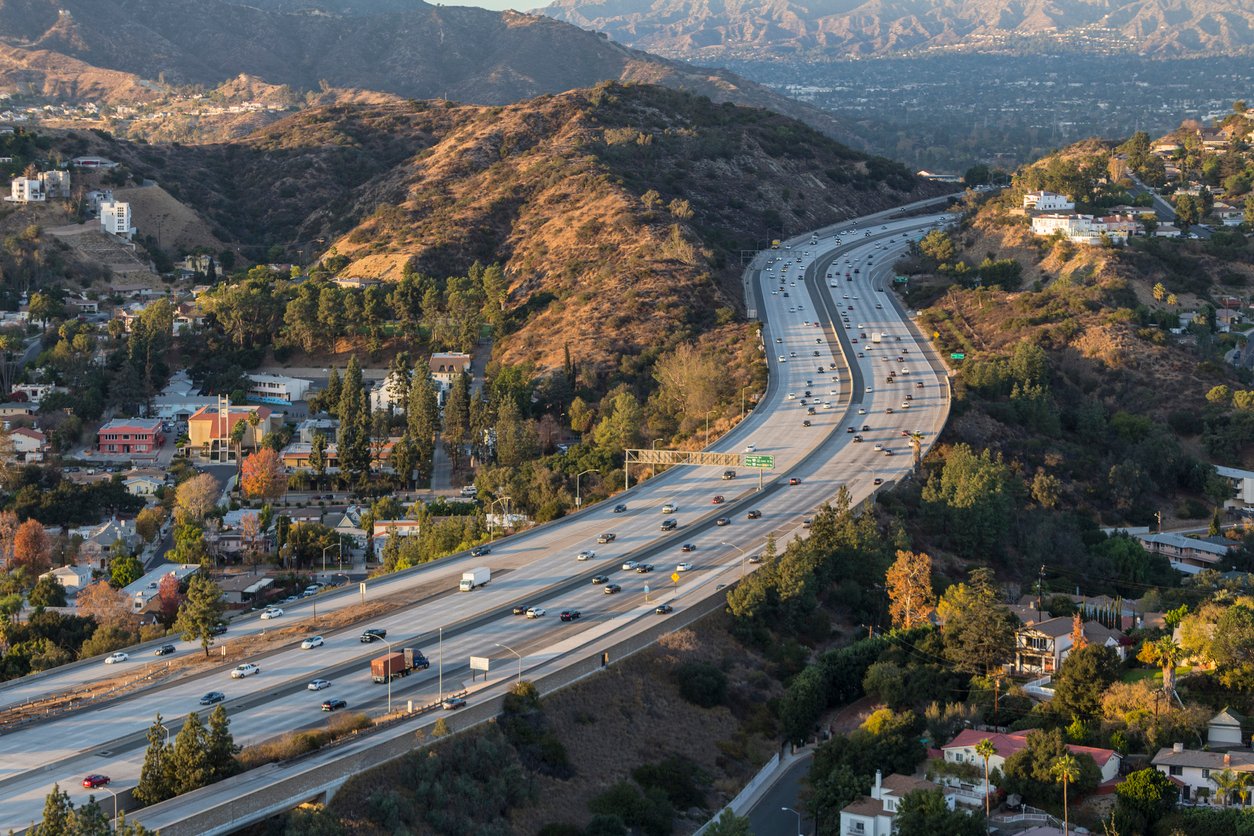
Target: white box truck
475	577
876	337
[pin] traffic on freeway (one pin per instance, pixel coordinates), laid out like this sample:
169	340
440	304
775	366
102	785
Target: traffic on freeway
823	301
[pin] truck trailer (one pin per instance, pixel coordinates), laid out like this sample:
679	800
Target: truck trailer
400	663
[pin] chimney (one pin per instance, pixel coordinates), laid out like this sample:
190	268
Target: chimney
1177	747
1227	759
875	791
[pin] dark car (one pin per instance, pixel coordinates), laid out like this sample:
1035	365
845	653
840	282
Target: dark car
754	515
669	525
600	579
663	609
644	568
570	615
851	430
723	521
717	500
95	780
618	509
164	650
521	609
794	481
688	547
611	588
480	551
212	697
334	705
371	633
879	481
805	423
866	428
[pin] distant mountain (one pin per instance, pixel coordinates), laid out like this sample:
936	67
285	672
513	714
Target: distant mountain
761	28
402	47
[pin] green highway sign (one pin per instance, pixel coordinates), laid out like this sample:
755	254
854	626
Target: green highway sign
957	356
767	462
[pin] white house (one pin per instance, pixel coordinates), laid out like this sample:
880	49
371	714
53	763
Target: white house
1192	770
73	578
1047	202
115	218
93	162
445	367
56	183
1042	647
1085	229
143	483
389	394
29	445
383	529
962	750
347	524
26	190
1242	482
1224	730
276	389
873	815
307	429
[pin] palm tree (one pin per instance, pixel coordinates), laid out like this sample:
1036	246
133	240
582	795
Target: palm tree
916	446
1226	783
1065	769
1246	785
1167	654
986	750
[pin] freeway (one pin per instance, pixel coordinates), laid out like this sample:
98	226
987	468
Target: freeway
810	346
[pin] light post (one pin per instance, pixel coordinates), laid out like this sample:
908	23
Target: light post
742	401
115	804
742	556
490	506
441	664
578	499
795	813
519	655
167	733
707	426
389	671
339	547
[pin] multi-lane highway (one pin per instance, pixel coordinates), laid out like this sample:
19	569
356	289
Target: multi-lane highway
830	328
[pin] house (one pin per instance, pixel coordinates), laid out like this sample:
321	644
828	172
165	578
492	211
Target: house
95	197
98	540
962	750
93	162
873	815
347	524
1042	647
1192	770
389	394
276	389
1047	202
1085	229
241	590
143	483
187	315
296	456
36	392
130	436
209	429
72	578
307	429
26	190
445	367
354	282
1225	318
1224	730
383	529
1190	555
56	183
29	445
142	591
115	219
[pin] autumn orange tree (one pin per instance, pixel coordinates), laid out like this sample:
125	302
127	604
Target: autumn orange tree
108	606
32	547
263	475
910	597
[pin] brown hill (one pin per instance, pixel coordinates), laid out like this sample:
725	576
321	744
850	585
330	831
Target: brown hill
408	49
616	211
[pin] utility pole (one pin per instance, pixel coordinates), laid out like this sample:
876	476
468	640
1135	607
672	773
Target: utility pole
1040	586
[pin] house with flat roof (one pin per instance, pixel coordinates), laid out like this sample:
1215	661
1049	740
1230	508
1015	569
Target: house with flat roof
1190	555
1242	482
130	436
1047	202
276	389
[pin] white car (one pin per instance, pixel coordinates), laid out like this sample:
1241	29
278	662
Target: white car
749	448
272	612
586	554
629	565
869	389
246	669
683	567
311	642
669	508
783	359
535	612
792	396
319	684
119	656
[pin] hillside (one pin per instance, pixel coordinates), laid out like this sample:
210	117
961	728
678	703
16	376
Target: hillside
881	27
116	49
616	212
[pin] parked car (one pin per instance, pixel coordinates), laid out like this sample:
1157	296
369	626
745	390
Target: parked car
164	650
570	615
246	669
334	705
212	697
113	658
311	642
371	633
95	780
319	684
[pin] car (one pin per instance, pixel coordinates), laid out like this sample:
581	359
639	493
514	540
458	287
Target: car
905	404
628	565
857	439
607	537
919	385
600	579
794	481
218	629
878	481
536	612
807	522
586	554
805	423
755	514
664	609
312	642
480	551
688	547
520	609
869	389
669	508
851	430
570	615
879	446
888	411
271	612
862	410
246	669
669	525
212	697
318	684
888	451
164	650
453	703
371	633
291	599
611	588
728	475
717	500
779	339
644	568
755	558
792	354
619	509
119	656
866	428
782	359
810	410
95	780
334	705
723	521
860	354
684	567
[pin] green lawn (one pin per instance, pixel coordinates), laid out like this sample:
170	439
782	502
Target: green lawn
1137	674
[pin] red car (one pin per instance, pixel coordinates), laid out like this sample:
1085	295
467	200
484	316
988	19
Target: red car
794	481
717	500
93	781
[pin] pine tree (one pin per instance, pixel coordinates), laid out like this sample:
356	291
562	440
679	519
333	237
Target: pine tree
331	395
58	818
221	745
354	434
318	457
911	600
423	416
189	767
155	783
456	428
90	820
200	612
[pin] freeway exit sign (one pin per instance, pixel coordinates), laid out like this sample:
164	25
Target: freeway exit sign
766	462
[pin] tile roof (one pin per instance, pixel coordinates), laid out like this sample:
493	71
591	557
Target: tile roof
1008	744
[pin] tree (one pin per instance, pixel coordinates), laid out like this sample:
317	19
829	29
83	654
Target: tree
1066	770
197	496
1159	292
1227	783
220	745
1165	653
422	417
149	521
32	548
103	603
58	817
1221	394
985	749
977	629
619	428
911	600
1232	646
48	592
1082	679
728	824
1188	211
169	598
1248	213
318	457
1145	796
124	570
156	784
353	446
201	612
188	765
925	813
938	246
263	475
455	431
90	820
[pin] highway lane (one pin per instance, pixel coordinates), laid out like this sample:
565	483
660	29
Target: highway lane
693	490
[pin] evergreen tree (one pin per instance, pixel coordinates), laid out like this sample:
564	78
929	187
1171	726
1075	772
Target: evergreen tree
456	430
405	459
318	457
330	397
188	765
90	820
481	417
200	612
155	784
58	818
423	416
354	434
220	745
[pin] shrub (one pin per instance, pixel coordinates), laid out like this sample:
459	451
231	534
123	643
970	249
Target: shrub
675	776
701	683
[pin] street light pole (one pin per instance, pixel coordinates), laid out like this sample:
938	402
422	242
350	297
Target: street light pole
441	664
578	499
115	804
707	426
798	815
742	556
742	401
519	655
167	733
389	644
